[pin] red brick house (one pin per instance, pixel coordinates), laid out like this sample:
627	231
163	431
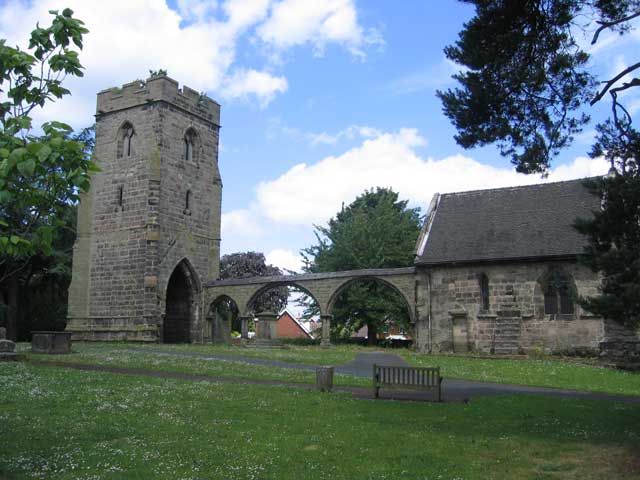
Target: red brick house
290	327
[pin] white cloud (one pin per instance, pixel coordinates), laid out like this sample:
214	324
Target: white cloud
276	127
348	133
196	10
196	43
284	260
308	194
297	22
262	85
436	76
240	222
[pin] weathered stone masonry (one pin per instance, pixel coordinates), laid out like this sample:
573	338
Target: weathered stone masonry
496	271
135	228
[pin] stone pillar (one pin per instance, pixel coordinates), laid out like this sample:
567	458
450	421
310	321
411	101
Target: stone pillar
326	330
244	327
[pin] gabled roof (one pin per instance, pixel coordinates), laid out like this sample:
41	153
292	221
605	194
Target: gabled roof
506	224
296	321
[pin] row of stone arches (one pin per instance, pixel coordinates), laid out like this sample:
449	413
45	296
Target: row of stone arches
184	293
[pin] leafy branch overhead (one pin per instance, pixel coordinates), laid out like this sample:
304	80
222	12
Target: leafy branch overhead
39	174
525	79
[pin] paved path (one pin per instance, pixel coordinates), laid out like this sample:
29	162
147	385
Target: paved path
361	366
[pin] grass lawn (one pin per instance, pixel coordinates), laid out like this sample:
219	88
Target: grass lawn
90	354
566	374
65	424
313	354
543	373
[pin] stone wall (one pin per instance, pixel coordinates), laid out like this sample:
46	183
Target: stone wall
133	225
515	321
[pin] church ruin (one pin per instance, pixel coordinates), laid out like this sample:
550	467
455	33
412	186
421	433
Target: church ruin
496	271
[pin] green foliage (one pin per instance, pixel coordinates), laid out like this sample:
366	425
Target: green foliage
523	81
161	72
376	231
525	78
614	248
44	282
39	175
246	265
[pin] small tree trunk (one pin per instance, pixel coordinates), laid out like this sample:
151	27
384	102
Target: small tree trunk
12	303
372	334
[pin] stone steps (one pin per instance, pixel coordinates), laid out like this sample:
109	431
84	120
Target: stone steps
507	336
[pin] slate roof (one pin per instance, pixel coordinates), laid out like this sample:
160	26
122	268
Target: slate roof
506	224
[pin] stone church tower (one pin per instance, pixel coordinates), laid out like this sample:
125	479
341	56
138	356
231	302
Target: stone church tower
149	229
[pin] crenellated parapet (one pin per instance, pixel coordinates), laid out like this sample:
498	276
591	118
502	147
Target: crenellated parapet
158	89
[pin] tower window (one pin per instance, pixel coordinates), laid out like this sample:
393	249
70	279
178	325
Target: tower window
188	150
126	140
120	195
187	203
189	145
484	291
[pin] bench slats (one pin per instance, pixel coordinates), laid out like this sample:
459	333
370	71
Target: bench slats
420	378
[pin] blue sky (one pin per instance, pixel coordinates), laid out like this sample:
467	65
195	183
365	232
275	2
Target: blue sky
320	100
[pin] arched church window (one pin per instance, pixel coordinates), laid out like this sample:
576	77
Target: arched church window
558	293
126	140
189	145
484	291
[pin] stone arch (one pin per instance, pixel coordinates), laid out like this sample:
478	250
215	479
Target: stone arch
271	285
126	138
181	295
220	328
409	302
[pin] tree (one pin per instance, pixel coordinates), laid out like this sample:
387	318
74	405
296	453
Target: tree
525	86
375	231
40	175
44	283
246	265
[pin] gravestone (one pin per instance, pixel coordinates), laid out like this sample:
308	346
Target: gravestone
324	379
7	347
51	342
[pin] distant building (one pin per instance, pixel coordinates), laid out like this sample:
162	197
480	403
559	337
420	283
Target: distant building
392	331
289	327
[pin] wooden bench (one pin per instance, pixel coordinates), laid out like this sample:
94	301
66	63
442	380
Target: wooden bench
401	378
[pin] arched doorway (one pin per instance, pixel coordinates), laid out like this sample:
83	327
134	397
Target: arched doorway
178	316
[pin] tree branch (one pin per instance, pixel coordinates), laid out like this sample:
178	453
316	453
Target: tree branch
605	25
610	83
